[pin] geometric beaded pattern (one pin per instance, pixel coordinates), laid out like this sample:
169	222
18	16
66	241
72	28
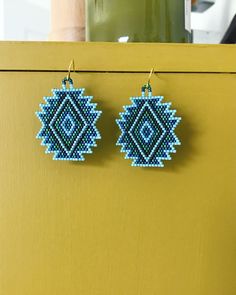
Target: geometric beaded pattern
147	130
68	123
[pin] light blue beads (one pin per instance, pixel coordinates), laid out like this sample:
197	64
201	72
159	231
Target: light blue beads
68	123
147	130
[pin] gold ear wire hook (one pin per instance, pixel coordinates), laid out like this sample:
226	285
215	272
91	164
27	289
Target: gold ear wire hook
150	75
72	65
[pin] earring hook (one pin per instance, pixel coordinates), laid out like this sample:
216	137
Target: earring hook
72	65
150	75
68	78
147	86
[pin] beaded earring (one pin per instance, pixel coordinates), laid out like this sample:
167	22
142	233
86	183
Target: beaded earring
147	129
68	122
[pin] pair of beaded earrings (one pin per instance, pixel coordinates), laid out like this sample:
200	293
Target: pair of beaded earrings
69	126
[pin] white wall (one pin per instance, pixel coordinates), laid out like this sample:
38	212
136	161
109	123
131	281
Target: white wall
211	25
1	20
25	19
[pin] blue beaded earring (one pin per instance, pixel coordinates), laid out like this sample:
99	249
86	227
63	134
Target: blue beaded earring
68	122
147	129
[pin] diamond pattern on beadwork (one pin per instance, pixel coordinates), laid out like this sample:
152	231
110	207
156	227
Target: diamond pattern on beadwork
68	123
147	131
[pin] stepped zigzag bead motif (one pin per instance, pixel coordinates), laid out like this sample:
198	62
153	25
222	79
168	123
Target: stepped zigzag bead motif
68	123
147	131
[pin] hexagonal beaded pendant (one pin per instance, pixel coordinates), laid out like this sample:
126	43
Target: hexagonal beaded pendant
68	123
147	130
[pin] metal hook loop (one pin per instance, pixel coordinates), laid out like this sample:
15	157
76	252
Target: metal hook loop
150	75
147	86
72	65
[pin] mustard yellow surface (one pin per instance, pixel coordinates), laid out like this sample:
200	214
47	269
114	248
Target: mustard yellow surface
103	227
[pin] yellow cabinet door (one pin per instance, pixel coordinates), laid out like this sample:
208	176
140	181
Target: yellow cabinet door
102	227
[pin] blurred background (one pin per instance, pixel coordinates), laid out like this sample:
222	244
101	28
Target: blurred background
42	20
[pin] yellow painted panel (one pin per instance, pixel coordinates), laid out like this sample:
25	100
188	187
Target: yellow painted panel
102	226
131	57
